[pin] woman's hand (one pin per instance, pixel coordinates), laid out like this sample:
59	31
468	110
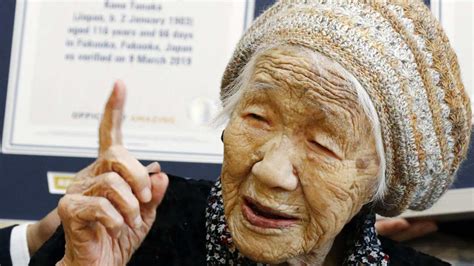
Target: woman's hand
400	229
111	205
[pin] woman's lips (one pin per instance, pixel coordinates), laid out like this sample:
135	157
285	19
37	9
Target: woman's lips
265	217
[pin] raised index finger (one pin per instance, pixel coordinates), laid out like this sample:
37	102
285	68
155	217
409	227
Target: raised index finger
110	132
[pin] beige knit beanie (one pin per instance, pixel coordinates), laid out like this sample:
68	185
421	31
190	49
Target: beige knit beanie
402	58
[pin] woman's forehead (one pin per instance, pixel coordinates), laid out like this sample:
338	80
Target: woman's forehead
311	78
303	71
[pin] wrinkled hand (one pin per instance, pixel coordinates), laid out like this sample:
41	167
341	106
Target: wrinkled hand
111	205
400	229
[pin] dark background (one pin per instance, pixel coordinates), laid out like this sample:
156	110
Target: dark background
23	183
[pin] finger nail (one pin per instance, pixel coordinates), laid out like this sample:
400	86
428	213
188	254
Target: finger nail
145	195
138	221
153	167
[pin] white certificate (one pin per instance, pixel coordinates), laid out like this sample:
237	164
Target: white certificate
171	54
456	16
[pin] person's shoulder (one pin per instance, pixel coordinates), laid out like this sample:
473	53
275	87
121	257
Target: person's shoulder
178	234
403	255
185	201
183	192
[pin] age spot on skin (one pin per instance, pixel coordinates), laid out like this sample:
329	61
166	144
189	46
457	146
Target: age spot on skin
362	163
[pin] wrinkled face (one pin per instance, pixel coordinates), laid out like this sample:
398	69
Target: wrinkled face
299	159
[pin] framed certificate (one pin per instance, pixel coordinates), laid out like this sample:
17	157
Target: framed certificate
171	55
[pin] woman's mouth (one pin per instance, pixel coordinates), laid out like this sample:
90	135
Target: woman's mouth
265	217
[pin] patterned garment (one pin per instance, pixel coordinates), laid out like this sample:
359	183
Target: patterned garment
363	246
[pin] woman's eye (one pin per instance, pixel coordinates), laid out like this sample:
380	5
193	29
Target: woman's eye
256	120
257	117
323	149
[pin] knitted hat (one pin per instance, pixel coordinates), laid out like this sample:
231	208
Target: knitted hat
402	58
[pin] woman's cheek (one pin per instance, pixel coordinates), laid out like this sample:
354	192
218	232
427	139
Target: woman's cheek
236	163
331	202
329	220
241	151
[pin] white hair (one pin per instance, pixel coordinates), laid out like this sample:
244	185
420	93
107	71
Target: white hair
369	109
234	91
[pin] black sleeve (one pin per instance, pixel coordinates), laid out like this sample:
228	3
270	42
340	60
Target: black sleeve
52	251
178	235
5	234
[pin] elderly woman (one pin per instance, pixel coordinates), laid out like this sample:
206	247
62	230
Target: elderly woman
337	110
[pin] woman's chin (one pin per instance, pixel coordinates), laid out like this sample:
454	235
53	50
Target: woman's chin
264	244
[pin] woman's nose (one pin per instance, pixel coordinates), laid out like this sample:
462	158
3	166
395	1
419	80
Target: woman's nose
276	169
